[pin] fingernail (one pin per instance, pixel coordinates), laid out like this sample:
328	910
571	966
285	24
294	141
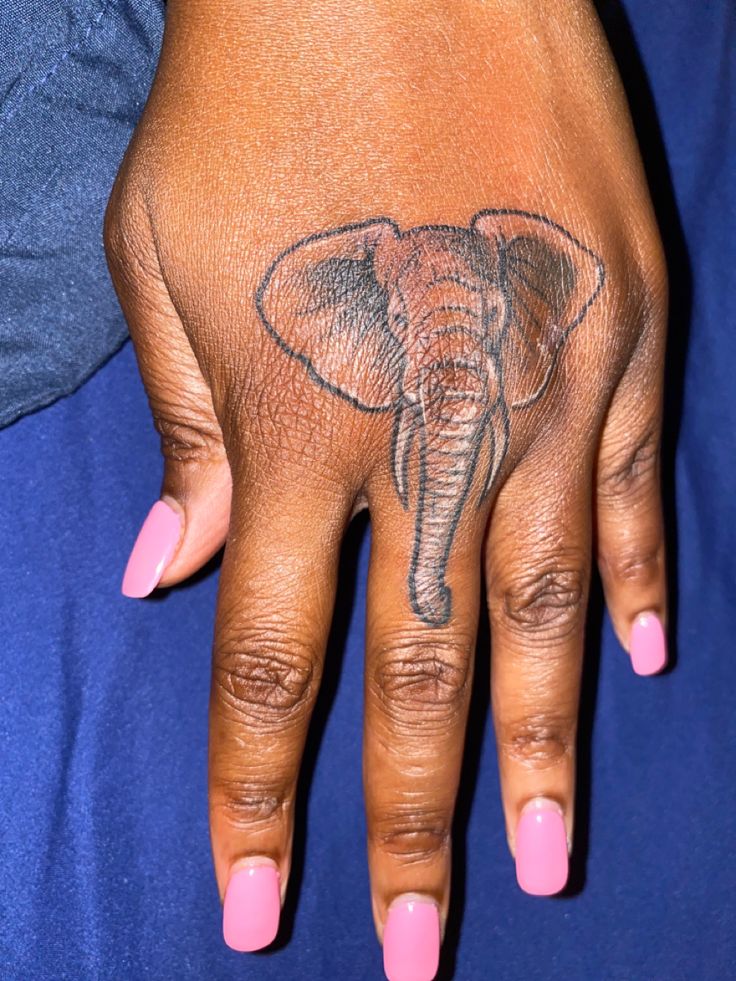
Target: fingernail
152	552
411	940
250	915
647	644
541	849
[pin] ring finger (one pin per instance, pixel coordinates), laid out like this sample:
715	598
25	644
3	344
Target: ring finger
538	566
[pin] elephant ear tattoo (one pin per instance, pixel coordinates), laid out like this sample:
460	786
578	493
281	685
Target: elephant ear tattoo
451	330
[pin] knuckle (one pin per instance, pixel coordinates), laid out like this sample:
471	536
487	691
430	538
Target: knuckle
110	231
538	741
645	272
634	563
125	224
246	803
187	435
624	474
548	600
263	677
655	279
412	836
423	678
112	228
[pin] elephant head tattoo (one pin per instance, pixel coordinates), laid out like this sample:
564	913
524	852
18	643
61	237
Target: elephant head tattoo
451	330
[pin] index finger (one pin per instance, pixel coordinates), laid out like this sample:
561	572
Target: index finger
274	609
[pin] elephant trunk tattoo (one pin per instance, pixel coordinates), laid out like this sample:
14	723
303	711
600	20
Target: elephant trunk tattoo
451	329
448	448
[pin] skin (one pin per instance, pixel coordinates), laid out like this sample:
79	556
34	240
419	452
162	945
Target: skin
269	122
449	329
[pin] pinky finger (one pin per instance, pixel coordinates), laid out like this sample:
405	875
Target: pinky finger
630	526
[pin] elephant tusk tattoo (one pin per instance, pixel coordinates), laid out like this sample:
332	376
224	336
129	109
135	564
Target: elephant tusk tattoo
451	329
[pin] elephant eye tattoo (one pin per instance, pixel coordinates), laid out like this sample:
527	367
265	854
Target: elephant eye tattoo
449	329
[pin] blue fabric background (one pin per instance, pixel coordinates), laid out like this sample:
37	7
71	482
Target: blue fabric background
104	855
74	75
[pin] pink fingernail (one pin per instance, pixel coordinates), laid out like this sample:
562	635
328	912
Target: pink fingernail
541	850
152	552
647	644
411	941
250	915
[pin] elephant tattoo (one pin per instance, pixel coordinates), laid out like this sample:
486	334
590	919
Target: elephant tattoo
449	329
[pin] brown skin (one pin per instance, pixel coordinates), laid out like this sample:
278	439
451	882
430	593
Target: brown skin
267	122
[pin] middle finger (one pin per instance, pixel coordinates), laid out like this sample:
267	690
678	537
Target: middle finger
423	599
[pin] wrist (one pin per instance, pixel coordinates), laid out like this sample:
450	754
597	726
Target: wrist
340	19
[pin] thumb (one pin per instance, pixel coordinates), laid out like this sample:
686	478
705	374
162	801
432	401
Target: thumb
188	524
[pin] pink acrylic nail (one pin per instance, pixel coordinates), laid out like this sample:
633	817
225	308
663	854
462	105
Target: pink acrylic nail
411	941
250	916
152	552
647	644
541	850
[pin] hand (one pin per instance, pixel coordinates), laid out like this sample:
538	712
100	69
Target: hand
398	256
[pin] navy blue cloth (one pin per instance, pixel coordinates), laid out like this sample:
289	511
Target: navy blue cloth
74	75
105	868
